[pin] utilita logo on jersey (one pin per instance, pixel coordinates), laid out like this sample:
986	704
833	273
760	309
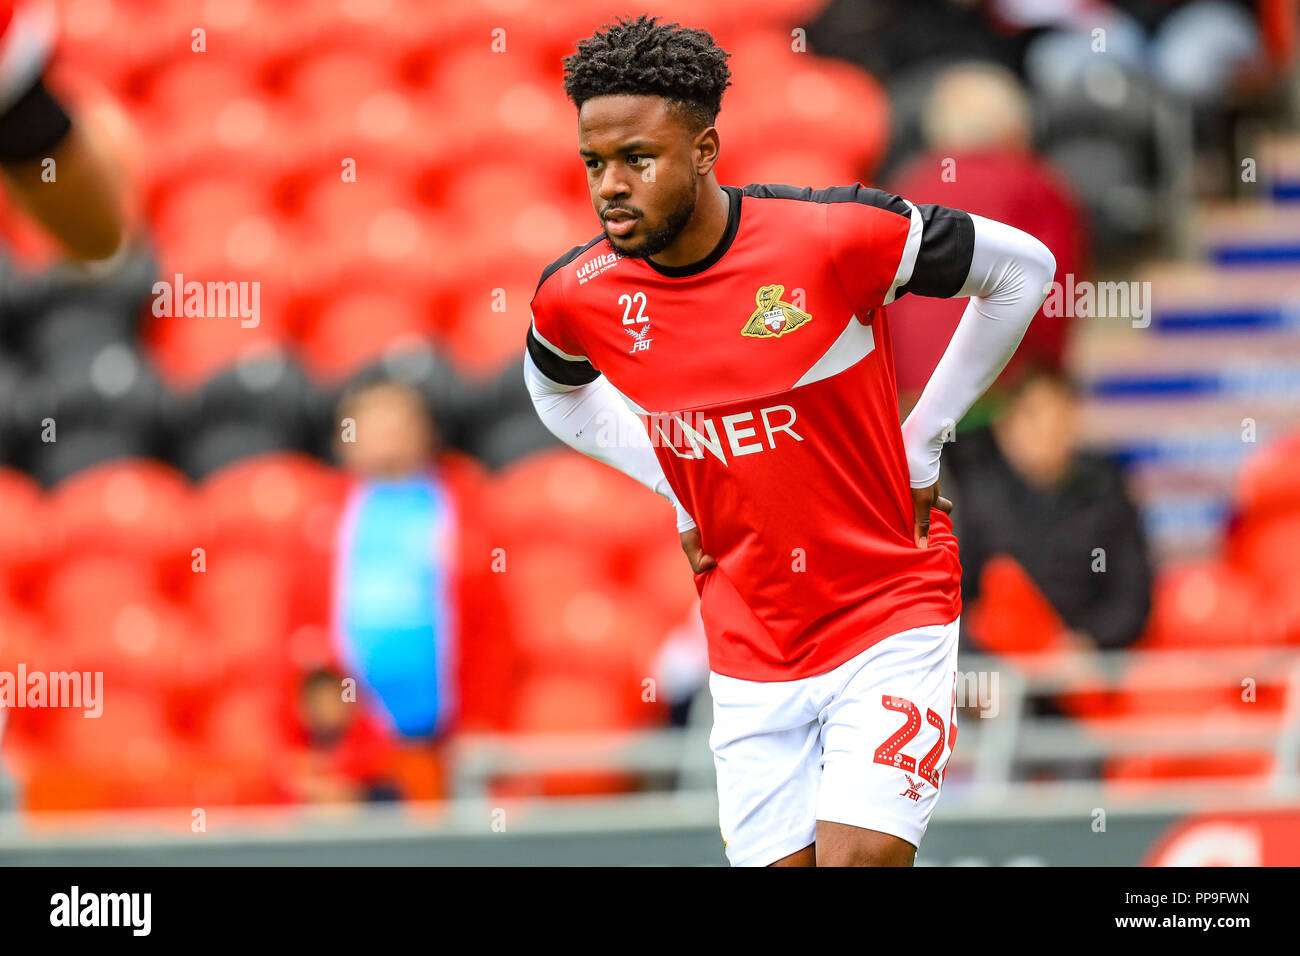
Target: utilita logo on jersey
594	267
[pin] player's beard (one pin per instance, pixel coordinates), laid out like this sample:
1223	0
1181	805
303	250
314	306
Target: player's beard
657	240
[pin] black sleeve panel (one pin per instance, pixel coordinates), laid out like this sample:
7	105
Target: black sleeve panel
557	369
943	261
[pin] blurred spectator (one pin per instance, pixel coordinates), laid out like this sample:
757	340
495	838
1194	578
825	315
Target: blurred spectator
979	157
419	618
682	667
1193	50
344	757
1053	555
1024	489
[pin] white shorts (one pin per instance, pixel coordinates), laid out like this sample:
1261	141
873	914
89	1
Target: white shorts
864	744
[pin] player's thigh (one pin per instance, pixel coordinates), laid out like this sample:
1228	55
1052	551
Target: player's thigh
839	844
766	751
886	737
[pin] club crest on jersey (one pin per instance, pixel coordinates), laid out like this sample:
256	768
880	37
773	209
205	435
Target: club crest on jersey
773	317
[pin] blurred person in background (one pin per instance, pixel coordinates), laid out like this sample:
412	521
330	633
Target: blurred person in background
682	667
345	757
1194	50
419	620
978	132
56	167
1026	493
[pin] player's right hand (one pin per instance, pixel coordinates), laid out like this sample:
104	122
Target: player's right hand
694	548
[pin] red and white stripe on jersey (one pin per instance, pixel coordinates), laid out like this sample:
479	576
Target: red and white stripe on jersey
782	440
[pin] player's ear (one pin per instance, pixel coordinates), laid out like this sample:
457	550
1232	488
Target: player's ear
706	147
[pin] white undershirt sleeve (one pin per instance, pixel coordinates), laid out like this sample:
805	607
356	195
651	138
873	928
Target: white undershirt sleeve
595	420
1010	275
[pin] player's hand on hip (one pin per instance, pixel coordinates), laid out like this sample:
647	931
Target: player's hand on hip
923	499
691	544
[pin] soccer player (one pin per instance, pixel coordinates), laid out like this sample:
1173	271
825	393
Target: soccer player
740	335
77	199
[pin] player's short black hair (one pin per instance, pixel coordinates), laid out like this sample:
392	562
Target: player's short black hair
645	57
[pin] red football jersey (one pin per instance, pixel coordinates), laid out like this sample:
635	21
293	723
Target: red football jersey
764	377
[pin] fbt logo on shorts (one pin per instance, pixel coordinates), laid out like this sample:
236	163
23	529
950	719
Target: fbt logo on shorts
74	908
80	690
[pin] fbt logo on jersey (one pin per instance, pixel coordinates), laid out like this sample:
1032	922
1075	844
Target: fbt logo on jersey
744	433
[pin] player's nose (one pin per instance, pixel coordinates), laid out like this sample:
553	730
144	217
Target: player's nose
613	185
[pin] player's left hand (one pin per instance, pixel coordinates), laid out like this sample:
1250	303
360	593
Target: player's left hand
923	499
691	544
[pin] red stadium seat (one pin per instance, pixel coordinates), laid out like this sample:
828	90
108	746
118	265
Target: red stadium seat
209	217
189	351
488	317
284	503
188	95
463	73
136	509
1263	547
113	41
1134	772
357	328
577	621
803	166
661	569
784	96
338	81
243	600
1175	694
245	750
25	546
562	497
286	506
1160	685
128	757
20	632
563	705
1012	617
23	635
107	615
1269	479
1206	604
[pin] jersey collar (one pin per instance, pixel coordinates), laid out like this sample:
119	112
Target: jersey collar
733	225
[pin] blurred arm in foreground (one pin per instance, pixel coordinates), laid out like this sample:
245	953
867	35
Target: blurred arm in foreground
55	165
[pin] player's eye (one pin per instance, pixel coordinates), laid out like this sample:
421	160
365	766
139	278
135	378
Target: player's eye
593	163
635	158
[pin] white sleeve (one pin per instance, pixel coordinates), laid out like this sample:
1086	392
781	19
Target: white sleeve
1010	275
595	420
